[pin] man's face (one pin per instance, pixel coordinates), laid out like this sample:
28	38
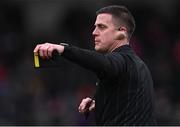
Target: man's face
104	33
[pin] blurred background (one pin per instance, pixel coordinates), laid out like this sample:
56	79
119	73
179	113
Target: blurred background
51	96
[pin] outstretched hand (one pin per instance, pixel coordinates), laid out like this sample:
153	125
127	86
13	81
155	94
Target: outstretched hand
45	50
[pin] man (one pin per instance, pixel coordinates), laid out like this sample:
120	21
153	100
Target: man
124	93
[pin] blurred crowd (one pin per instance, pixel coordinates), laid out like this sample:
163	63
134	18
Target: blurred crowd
51	96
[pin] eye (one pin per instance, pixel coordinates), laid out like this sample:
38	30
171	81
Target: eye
101	26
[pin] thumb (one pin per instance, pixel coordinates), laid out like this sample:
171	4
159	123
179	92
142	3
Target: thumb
92	105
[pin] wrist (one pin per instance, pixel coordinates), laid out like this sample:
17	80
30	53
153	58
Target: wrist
62	47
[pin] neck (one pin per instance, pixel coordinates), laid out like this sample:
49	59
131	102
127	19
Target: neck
117	44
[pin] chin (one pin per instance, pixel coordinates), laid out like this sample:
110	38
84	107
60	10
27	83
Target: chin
99	50
96	48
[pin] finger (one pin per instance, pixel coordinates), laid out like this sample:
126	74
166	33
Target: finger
45	51
82	106
41	52
92	106
81	109
50	50
87	103
37	48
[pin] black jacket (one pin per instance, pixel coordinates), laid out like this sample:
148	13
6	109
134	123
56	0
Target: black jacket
124	93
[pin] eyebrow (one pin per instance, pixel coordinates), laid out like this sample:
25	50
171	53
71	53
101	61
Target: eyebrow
100	24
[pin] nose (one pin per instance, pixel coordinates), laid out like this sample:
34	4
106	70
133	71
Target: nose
95	32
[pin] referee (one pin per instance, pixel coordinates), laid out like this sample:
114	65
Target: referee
124	94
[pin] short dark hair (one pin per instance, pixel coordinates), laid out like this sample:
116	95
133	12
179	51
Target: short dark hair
122	16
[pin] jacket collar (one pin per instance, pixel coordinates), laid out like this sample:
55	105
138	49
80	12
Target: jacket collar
123	48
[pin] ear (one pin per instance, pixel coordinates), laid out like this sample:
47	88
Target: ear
120	33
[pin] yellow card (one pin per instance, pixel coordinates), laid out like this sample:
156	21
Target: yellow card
36	60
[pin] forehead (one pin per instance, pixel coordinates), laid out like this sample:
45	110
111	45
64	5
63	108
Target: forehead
103	19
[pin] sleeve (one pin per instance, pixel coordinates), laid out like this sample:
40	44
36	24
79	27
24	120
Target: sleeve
105	65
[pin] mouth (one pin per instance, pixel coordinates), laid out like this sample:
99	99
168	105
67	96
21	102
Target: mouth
96	40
